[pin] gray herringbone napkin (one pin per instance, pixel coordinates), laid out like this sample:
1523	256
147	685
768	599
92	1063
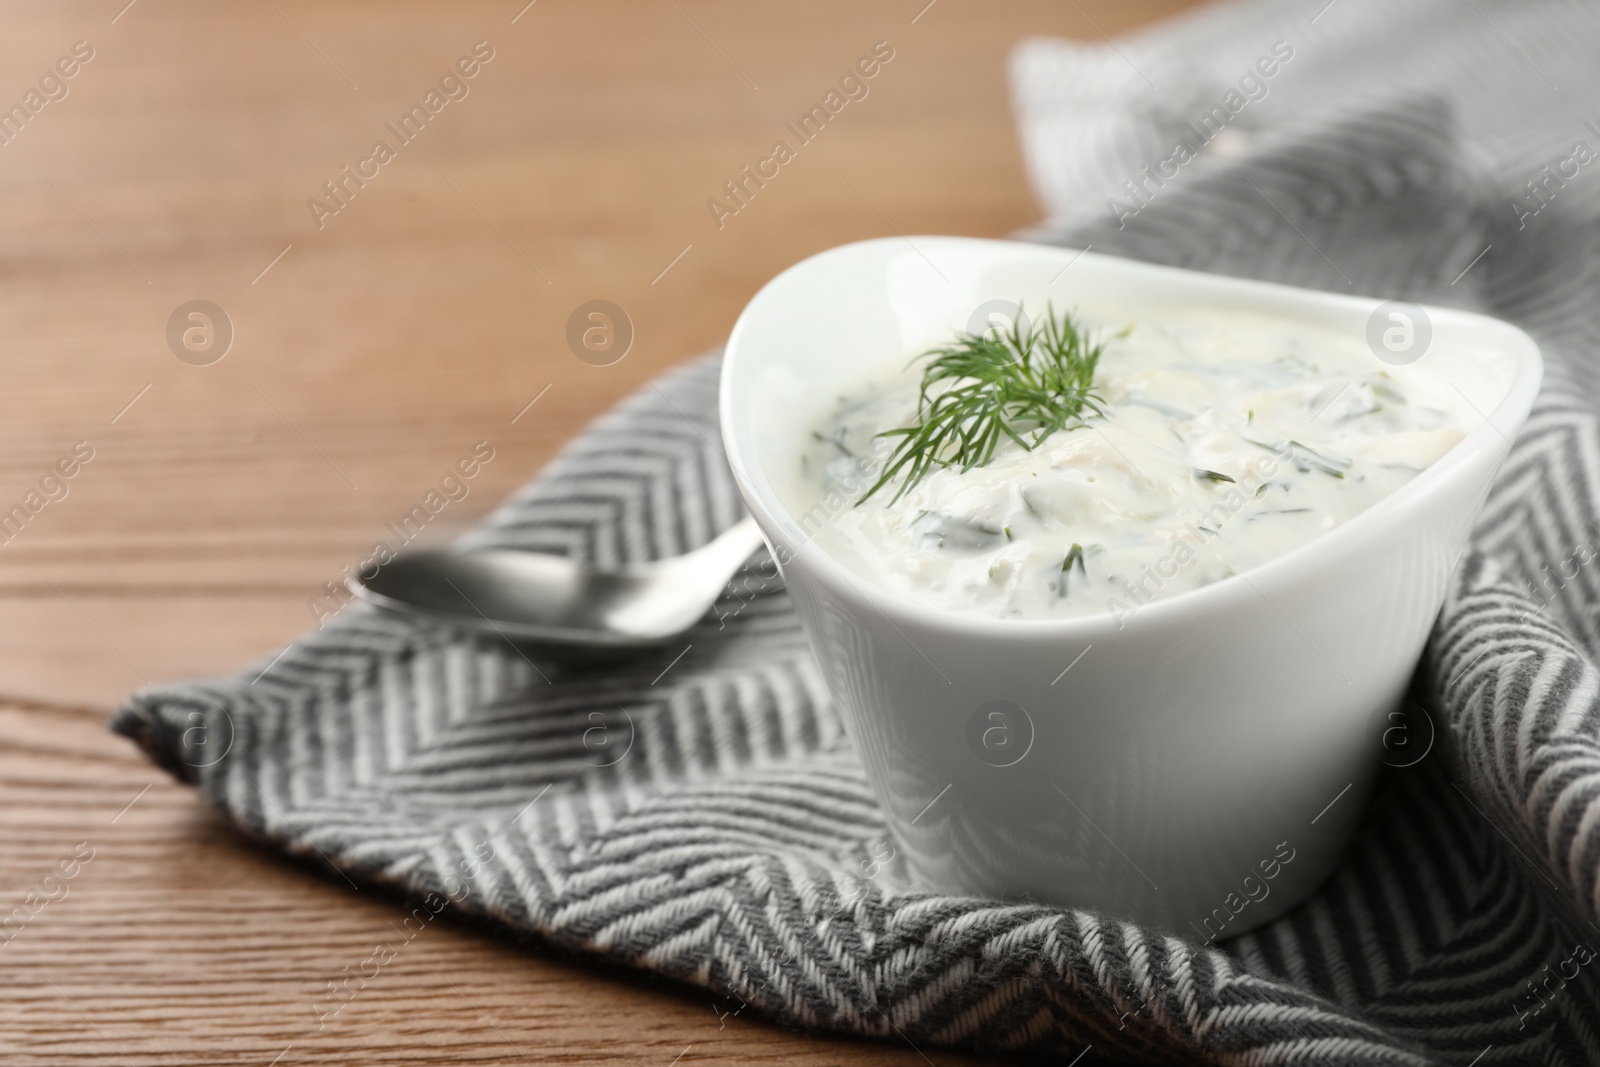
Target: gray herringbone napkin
700	814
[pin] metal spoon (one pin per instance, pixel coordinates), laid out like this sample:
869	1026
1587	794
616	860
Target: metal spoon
559	601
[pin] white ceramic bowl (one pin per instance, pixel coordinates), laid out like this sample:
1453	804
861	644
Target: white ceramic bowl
1199	767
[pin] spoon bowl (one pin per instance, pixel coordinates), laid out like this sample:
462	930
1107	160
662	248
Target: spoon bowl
554	600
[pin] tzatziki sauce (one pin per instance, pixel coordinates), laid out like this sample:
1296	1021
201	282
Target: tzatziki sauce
1224	439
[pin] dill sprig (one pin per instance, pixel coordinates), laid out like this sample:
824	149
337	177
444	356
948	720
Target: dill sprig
982	387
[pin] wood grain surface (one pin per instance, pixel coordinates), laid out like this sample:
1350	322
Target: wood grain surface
367	354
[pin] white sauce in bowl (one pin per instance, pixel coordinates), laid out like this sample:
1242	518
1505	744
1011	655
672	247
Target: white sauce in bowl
1226	440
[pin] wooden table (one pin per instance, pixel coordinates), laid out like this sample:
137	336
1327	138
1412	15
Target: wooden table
424	315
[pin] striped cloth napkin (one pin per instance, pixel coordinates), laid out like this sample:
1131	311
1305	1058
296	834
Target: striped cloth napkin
699	812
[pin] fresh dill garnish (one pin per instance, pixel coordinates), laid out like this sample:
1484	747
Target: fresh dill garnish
1211	476
1023	385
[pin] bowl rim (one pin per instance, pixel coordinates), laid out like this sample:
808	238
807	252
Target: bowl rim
1497	431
